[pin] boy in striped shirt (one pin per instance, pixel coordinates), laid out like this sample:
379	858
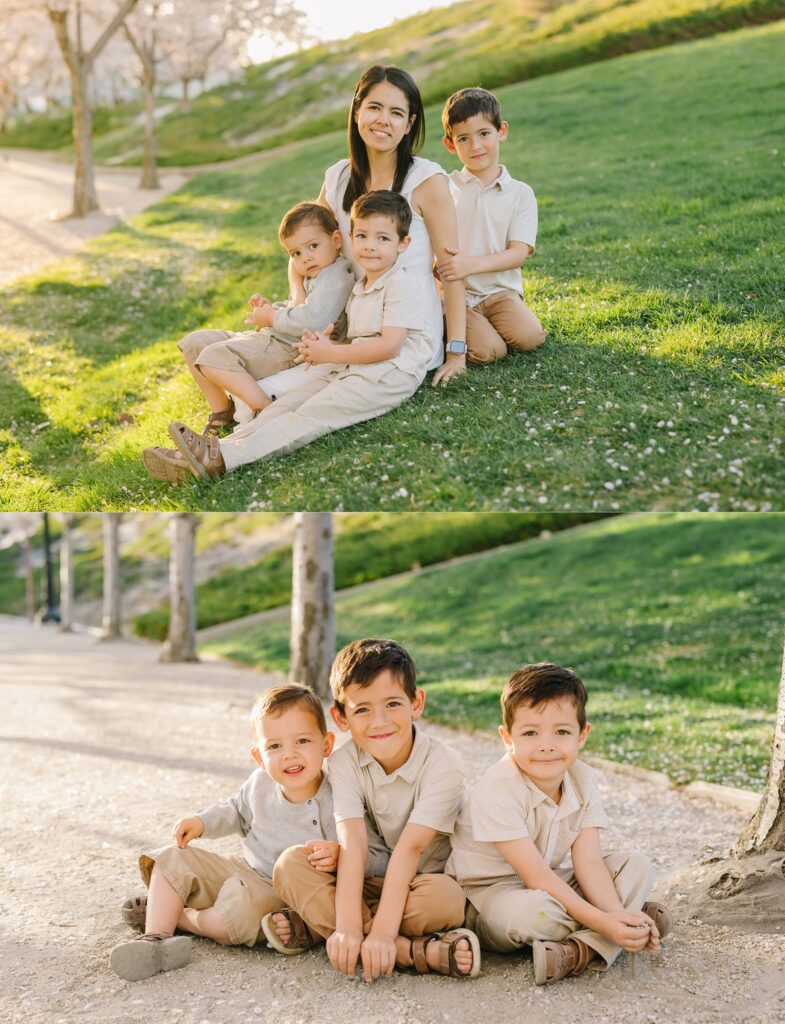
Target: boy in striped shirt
531	809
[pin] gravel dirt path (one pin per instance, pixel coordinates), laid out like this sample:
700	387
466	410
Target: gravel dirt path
35	194
102	748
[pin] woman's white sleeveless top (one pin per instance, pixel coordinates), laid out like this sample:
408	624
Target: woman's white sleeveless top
418	258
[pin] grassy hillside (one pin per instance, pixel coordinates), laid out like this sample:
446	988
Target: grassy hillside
659	177
478	42
676	624
368	546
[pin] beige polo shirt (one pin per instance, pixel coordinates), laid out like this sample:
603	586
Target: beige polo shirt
489	218
427	790
395	299
506	805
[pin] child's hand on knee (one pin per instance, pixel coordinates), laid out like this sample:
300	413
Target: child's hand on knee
316	347
260	316
187	829
323	855
258	300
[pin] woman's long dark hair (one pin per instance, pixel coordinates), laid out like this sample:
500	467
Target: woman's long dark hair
411	142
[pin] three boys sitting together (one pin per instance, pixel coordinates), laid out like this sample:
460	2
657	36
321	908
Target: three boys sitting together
379	856
363	341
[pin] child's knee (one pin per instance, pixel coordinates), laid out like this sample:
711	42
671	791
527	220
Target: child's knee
292	863
527	336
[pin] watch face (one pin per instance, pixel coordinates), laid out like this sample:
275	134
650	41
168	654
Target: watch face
456	347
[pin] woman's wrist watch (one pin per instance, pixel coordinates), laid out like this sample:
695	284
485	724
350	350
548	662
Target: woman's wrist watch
455	348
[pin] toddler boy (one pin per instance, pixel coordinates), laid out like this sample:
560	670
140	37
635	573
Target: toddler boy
230	363
529	811
286	800
497	230
409	786
383	366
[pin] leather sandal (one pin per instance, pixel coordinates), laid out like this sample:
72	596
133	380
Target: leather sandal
147	955
556	960
203	454
220	423
448	942
661	916
300	940
134	912
165	464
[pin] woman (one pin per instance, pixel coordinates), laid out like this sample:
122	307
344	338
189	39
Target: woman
386	128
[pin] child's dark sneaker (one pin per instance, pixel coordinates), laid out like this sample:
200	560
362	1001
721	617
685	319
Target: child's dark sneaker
220	423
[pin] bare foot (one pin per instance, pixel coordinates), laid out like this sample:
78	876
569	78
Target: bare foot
282	928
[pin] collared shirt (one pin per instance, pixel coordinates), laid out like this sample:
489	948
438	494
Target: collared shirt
428	789
506	805
325	300
489	218
271	824
395	299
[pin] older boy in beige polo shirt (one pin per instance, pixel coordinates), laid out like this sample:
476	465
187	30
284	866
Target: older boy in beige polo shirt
529	811
409	787
497	230
384	364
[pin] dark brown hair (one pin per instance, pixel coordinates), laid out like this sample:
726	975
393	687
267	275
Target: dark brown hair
465	104
280	698
361	661
307	213
384	203
359	168
534	685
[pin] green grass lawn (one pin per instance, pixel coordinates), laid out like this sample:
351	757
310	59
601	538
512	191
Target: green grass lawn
368	546
493	42
660	180
674	622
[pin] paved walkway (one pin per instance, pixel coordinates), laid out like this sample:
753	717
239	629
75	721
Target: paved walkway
35	194
102	748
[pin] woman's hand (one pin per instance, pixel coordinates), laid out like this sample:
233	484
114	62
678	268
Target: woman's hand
187	829
451	367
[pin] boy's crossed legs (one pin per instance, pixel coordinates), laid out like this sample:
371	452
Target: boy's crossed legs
512	917
194	890
500	322
435	904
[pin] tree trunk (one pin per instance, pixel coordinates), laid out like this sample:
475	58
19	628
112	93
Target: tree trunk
112	627
85	197
27	557
313	610
149	177
766	829
181	642
185	82
67	574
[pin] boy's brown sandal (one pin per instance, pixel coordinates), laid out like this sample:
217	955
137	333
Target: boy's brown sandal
556	960
220	423
448	942
134	912
203	454
165	464
300	940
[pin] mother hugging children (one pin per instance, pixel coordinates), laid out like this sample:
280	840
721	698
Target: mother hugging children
395	213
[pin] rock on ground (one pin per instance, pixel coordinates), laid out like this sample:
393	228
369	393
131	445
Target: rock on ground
102	748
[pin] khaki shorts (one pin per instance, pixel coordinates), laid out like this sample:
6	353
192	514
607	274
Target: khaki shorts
203	879
258	353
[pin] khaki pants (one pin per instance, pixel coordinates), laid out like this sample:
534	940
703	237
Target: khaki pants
259	353
513	917
203	879
502	321
333	397
435	902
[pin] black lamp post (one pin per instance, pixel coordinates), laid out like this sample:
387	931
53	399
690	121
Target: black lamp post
52	613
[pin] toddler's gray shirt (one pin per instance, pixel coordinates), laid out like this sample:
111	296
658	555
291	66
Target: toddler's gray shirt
271	824
326	298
